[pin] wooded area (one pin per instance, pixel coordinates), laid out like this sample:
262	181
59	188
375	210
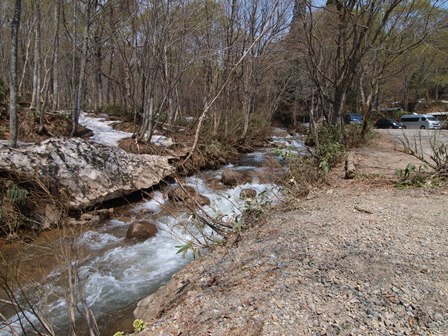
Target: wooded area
225	68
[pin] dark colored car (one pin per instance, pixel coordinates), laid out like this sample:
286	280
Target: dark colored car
387	123
352	118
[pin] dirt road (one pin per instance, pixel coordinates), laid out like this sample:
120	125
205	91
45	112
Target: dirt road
359	258
385	155
427	138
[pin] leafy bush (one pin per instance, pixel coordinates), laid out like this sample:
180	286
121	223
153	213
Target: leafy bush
330	148
411	176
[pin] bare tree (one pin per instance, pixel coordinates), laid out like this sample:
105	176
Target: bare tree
15	25
337	39
55	57
35	100
79	93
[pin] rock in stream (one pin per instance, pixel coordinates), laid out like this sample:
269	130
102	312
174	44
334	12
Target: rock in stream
86	173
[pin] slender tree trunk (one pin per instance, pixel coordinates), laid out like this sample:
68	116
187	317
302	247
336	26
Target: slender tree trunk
55	67
110	99
25	63
313	127
35	100
15	25
248	110
39	110
98	69
82	71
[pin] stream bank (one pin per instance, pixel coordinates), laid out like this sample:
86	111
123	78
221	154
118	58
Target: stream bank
358	257
115	272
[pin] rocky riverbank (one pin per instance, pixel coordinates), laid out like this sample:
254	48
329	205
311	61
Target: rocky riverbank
359	258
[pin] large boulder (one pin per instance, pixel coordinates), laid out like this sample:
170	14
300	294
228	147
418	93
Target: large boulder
141	230
84	172
233	178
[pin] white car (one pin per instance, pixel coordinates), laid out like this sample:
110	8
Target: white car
420	121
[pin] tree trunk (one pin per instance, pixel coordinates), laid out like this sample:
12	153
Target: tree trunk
338	107
27	56
313	127
15	25
146	129
248	109
55	67
82	71
39	110
35	100
98	71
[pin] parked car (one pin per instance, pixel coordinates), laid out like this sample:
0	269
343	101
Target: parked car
421	121
353	118
387	123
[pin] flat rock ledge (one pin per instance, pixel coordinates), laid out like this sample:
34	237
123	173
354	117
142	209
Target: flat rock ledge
85	172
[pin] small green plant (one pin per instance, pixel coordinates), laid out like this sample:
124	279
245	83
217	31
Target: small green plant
238	227
284	153
139	325
406	173
411	176
189	246
15	194
119	333
183	249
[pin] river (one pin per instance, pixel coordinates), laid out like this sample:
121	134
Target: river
113	272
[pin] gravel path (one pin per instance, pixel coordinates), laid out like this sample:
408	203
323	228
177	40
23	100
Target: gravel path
358	259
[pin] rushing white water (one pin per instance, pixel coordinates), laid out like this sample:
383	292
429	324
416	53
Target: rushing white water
118	272
103	132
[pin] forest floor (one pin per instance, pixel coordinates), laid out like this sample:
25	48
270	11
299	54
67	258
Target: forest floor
358	257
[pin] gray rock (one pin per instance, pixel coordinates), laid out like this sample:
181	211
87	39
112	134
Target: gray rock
84	172
52	216
86	217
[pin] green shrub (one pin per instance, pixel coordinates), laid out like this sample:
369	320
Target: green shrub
330	148
413	177
15	194
139	325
